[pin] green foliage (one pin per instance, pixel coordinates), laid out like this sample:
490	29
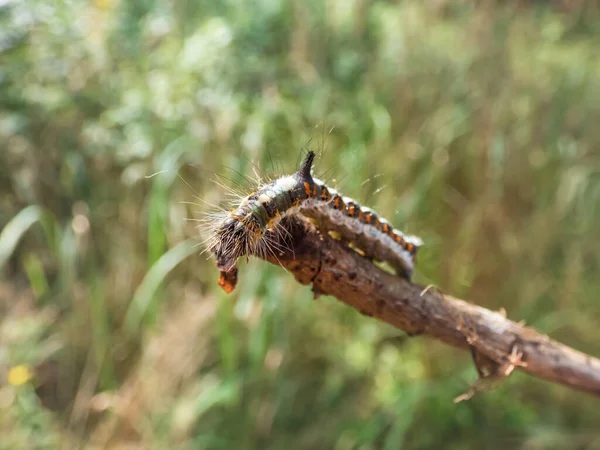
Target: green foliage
473	125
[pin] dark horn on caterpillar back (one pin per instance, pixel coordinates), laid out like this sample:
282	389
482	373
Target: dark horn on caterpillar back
304	171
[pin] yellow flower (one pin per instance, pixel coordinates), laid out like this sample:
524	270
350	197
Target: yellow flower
103	4
19	375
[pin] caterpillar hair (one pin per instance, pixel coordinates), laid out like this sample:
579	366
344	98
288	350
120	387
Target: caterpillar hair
254	226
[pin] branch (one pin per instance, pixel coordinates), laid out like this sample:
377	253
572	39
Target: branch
498	345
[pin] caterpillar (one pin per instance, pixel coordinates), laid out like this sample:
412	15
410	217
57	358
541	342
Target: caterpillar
252	228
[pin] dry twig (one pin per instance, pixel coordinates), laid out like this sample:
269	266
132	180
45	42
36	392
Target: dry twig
498	345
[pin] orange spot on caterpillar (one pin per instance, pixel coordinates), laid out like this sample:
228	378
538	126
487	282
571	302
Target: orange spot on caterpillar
368	217
314	192
228	280
410	248
336	202
307	188
273	220
385	228
325	194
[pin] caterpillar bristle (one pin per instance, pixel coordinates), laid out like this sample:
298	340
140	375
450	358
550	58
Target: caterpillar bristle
253	225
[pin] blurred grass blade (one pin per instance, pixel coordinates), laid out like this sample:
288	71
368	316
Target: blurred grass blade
15	229
213	393
168	165
142	303
408	403
36	275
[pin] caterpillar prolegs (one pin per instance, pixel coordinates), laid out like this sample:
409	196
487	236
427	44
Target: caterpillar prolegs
251	228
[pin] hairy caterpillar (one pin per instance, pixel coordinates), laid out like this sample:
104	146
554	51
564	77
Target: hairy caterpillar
251	227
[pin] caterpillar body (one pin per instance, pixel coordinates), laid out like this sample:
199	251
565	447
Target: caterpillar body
251	227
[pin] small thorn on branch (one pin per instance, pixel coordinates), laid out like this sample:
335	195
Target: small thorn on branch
492	373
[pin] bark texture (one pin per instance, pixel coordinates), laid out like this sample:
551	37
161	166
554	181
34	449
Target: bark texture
498	344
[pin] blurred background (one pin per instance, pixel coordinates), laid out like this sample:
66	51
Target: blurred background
472	124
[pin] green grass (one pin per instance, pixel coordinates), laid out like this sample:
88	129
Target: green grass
473	126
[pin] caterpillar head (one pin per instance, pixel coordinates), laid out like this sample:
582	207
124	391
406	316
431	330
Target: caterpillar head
241	233
235	237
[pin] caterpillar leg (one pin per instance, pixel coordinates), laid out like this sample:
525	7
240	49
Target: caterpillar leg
228	280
